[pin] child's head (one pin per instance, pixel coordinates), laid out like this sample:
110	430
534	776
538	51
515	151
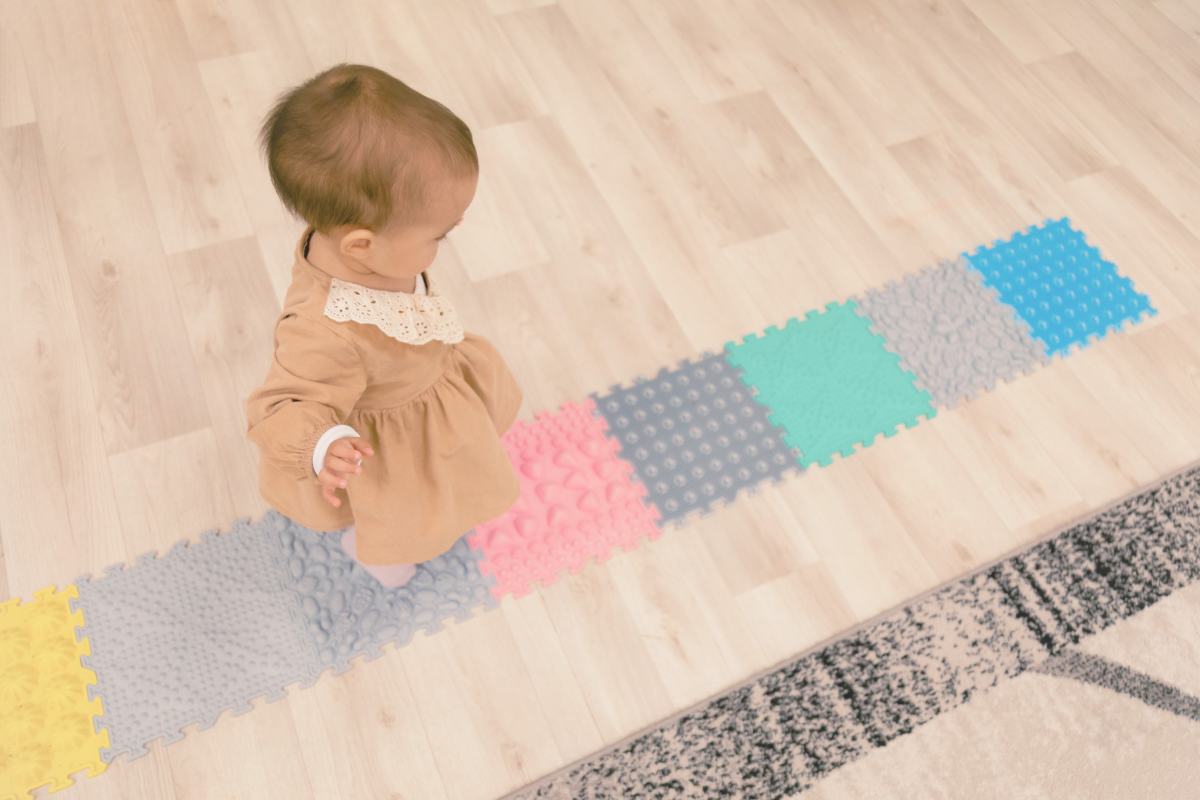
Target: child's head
376	166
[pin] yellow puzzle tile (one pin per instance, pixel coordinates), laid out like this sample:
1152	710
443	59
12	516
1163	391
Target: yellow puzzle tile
46	729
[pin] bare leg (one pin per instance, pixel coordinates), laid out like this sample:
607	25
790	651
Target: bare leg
392	576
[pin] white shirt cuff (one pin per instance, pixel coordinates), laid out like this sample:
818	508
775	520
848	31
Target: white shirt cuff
327	438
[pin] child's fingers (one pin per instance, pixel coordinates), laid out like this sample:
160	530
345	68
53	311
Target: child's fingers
330	497
346	450
341	466
333	479
361	445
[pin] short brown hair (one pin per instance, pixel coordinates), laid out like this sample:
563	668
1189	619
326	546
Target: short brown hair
355	146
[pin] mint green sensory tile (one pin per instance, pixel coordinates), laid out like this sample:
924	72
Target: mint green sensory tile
829	382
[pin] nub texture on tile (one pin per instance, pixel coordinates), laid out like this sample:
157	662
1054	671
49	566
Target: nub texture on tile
348	613
695	435
830	383
180	638
951	331
46	719
577	502
1060	285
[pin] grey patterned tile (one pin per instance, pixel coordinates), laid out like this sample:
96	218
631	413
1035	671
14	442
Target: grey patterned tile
951	331
347	613
182	637
695	436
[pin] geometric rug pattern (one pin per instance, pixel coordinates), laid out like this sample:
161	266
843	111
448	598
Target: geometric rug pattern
178	638
781	733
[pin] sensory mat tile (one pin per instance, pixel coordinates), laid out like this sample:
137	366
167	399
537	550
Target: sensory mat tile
577	502
178	639
951	331
829	382
46	718
347	613
695	435
1060	285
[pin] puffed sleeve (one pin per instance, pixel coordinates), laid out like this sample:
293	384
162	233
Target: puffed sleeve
316	377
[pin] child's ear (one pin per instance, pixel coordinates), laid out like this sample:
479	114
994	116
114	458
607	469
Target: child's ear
357	243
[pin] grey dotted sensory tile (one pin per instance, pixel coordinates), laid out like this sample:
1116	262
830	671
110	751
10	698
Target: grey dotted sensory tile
347	613
951	331
209	627
695	435
180	638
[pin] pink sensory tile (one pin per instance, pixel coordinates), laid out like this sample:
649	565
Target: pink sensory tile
577	502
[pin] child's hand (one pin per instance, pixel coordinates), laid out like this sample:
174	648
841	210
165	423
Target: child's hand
341	461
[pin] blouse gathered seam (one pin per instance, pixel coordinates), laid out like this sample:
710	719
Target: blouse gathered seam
441	378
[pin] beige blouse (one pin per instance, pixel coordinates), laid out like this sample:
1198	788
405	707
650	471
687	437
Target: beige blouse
398	369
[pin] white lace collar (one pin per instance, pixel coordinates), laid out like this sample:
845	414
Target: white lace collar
408	318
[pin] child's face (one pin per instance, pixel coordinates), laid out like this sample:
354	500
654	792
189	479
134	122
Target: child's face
404	252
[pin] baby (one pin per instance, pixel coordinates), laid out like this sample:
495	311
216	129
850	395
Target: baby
378	414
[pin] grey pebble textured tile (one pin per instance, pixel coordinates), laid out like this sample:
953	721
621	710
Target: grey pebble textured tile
951	331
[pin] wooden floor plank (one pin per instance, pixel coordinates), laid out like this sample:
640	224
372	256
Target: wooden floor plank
1020	29
699	158
477	703
258	752
630	177
612	323
659	177
694	632
1072	149
361	735
1005	458
839	244
699	48
845	145
230	312
187	170
146	388
58	518
171	490
796	612
874	564
606	653
950	521
16	102
242	89
475	54
557	686
866	63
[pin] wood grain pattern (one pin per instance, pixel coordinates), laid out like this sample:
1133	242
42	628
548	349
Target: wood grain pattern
188	173
16	103
123	300
229	312
659	177
58	518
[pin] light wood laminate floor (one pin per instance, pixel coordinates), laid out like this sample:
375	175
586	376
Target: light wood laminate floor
658	177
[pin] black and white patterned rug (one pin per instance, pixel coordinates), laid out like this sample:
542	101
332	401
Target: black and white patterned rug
1048	674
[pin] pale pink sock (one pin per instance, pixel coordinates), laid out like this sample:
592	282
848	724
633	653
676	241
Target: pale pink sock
392	576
